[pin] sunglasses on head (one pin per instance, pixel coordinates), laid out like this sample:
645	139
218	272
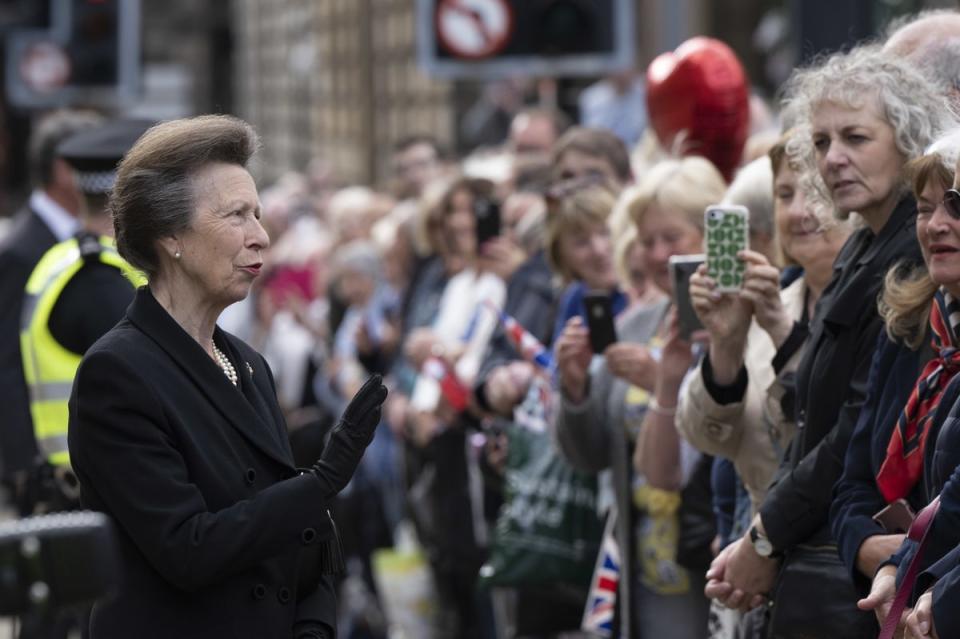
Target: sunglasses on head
567	186
951	202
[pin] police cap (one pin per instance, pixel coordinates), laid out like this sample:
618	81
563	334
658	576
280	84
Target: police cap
95	152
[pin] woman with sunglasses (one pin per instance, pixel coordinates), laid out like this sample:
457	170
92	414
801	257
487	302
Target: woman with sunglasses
883	478
931	437
609	402
869	114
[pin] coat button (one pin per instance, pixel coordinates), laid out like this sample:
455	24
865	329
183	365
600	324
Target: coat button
308	536
250	476
259	591
283	595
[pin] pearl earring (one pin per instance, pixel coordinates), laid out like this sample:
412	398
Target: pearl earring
177	255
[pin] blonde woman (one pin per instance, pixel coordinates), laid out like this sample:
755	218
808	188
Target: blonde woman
620	405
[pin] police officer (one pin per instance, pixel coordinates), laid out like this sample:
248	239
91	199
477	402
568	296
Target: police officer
79	289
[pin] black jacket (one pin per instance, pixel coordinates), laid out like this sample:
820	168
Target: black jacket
831	380
20	251
220	535
893	377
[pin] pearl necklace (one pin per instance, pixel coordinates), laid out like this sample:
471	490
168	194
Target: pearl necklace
225	364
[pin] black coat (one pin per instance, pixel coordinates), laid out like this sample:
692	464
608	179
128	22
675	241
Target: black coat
220	535
20	251
893	377
831	380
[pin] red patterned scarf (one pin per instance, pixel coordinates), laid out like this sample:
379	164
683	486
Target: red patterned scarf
903	466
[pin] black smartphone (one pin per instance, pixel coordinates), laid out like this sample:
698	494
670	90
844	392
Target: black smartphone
487	214
599	310
895	517
681	268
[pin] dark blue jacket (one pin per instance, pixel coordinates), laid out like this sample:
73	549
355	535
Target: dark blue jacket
941	560
893	375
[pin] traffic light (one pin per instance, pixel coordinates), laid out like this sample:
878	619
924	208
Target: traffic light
94	43
482	39
88	55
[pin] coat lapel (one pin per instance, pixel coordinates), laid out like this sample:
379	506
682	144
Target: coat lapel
151	318
254	382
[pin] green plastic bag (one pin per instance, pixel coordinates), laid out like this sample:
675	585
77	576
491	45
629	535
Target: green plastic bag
548	531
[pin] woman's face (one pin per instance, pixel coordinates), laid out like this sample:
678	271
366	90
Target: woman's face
460	231
587	252
939	236
221	250
664	233
858	159
801	235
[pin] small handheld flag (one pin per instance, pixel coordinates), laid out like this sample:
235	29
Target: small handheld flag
602	600
529	347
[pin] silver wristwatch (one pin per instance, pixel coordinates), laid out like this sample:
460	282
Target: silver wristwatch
761	544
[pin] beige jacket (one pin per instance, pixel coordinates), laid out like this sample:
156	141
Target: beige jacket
754	432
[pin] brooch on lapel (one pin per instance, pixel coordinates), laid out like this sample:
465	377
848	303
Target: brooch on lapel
249	369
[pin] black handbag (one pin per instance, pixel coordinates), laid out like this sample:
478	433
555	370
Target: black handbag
814	598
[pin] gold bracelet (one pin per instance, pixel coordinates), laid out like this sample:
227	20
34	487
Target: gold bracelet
655	408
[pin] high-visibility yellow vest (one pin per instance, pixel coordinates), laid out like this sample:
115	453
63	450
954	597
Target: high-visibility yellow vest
48	367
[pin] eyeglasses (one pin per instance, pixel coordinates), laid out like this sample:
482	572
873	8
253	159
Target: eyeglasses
951	202
559	191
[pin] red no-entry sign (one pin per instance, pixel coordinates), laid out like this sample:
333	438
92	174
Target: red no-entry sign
474	29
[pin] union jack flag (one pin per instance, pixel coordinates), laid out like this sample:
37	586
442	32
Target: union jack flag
602	601
529	347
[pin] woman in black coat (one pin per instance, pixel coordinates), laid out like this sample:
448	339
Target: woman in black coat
175	429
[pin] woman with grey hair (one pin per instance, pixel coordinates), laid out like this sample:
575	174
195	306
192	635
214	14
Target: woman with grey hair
869	114
175	430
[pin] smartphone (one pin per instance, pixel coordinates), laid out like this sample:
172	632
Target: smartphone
727	233
487	214
603	333
681	268
895	517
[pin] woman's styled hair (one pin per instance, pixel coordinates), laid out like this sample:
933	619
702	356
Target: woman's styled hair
907	293
574	206
915	108
687	186
153	194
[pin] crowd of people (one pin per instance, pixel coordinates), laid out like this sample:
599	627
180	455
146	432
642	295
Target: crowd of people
755	477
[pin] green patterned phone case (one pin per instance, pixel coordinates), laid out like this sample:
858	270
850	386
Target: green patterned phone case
727	232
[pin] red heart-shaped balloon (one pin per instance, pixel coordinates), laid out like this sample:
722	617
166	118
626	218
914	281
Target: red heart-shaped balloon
700	89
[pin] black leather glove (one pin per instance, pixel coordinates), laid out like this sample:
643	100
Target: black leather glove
350	437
